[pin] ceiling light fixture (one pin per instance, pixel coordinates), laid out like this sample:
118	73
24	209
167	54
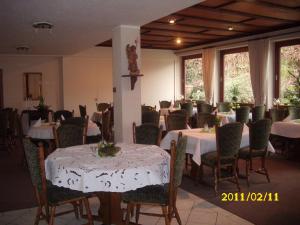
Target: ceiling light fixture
230	28
22	49
178	41
42	26
172	21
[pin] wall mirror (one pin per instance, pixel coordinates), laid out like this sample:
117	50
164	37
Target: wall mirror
32	86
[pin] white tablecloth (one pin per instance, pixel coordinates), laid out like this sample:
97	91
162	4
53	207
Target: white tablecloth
229	117
135	166
45	131
199	142
290	129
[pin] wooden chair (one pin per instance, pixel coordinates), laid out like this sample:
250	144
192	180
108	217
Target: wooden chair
82	110
223	161
147	133
259	133
294	112
277	114
65	113
106	130
176	122
160	195
50	196
4	129
188	107
204	108
179	111
206	118
101	107
165	104
242	114
68	135
258	113
223	106
150	117
148	108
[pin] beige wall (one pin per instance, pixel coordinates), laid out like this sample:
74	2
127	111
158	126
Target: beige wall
13	69
88	76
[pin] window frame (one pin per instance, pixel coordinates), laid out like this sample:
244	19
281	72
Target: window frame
277	75
221	78
184	58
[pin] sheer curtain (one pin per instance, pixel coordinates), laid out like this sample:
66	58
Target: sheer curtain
208	61
259	61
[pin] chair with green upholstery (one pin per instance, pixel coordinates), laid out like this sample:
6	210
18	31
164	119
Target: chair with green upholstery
82	111
277	114
150	117
206	118
223	161
294	112
148	108
242	114
50	196
165	104
147	133
68	135
160	195
259	133
188	106
204	108
223	106
79	121
179	111
176	122
258	113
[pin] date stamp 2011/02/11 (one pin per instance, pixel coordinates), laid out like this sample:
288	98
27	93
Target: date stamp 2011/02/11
250	197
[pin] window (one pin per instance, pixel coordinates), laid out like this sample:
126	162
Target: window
235	81
287	71
192	84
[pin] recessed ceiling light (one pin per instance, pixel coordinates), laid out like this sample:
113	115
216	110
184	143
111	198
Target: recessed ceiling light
172	21
230	28
22	49
178	41
42	25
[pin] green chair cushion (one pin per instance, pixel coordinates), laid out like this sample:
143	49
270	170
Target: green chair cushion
244	153
148	194
210	159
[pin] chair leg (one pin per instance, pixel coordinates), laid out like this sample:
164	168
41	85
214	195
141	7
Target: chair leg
177	216
88	211
247	172
236	177
128	213
75	207
216	180
38	216
263	165
51	222
165	213
137	213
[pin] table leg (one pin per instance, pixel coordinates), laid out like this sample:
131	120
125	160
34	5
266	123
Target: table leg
110	209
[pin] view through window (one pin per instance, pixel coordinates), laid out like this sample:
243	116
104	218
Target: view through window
289	92
193	78
236	76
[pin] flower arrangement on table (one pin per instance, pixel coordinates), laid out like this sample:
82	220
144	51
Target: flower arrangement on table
107	149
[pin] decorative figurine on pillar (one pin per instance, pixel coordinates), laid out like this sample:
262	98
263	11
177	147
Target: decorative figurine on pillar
134	71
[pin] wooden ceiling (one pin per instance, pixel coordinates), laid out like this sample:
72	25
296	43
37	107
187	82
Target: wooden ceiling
212	20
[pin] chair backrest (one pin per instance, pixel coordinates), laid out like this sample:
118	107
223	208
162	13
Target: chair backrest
35	159
164	104
228	139
294	112
188	106
175	122
65	113
147	133
148	108
68	135
4	114
242	114
150	117
82	111
204	108
277	114
259	133
106	125
177	103
179	111
79	121
223	106
206	118
258	113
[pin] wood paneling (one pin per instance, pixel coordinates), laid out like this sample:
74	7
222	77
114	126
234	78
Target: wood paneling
209	21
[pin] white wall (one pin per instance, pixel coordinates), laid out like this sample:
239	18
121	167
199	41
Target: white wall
88	76
13	69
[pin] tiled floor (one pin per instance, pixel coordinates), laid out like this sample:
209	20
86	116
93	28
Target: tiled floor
192	209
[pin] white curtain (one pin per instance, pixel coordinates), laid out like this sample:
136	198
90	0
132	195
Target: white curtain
258	55
208	67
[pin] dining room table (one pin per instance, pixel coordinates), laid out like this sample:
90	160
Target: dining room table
201	141
228	117
134	166
287	128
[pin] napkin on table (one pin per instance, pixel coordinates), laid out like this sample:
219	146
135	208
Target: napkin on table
38	123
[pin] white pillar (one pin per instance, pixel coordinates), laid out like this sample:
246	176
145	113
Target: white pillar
127	102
